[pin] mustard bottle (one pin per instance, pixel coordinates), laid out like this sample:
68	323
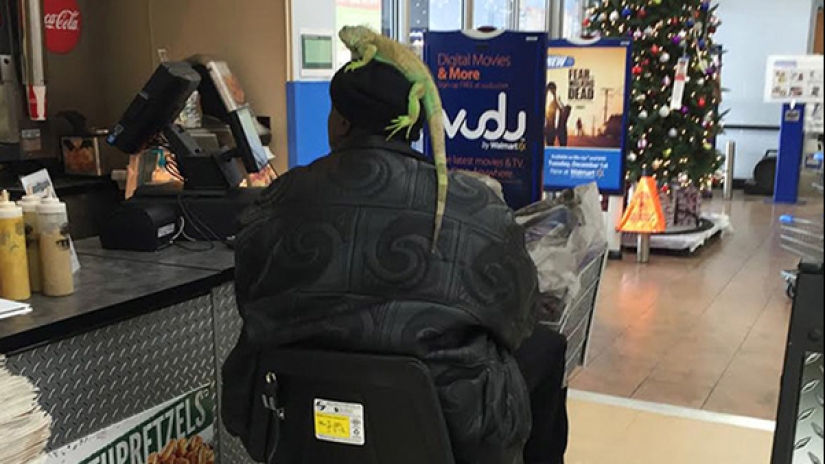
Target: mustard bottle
14	269
29	204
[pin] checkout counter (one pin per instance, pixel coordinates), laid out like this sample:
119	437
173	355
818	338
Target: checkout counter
144	328
140	330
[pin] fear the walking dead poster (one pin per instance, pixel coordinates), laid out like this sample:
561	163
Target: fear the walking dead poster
585	127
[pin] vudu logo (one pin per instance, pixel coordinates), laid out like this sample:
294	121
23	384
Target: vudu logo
499	116
560	61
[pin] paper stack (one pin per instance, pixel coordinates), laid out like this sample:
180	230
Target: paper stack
10	308
24	426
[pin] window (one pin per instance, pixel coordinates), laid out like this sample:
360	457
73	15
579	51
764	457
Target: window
494	13
355	12
436	15
574	12
533	15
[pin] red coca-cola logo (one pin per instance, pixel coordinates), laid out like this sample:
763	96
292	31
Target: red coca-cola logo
63	23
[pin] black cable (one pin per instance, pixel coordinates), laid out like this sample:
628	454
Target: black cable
199	225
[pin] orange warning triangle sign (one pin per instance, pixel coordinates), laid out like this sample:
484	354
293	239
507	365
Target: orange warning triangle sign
644	215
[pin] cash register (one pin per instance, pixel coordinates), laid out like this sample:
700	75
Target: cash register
206	205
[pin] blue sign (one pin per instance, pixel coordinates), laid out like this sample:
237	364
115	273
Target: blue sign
492	89
586	114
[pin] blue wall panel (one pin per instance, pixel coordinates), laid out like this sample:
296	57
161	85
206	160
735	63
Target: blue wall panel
308	106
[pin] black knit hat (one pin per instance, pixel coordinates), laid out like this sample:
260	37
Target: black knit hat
372	96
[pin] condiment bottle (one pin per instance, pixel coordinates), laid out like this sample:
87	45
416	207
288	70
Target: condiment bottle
55	248
29	204
14	269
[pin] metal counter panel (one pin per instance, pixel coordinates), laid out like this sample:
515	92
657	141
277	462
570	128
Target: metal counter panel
228	325
104	376
808	443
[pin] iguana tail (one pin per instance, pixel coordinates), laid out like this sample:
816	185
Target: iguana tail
435	122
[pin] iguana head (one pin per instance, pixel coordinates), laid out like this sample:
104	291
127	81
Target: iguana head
353	36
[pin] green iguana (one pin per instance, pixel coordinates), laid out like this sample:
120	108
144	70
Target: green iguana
367	45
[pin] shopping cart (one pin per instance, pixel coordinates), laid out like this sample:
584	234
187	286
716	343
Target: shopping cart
802	237
818	185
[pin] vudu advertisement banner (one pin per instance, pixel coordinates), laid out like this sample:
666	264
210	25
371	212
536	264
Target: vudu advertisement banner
586	114
491	88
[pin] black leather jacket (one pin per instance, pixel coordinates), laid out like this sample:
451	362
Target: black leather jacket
338	254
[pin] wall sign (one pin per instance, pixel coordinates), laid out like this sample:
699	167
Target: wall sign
491	87
62	21
586	114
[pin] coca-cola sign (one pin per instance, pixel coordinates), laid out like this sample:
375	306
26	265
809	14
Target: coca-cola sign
63	22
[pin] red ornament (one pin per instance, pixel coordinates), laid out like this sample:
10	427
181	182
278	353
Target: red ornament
702	102
673	21
655	49
696	14
637	70
712	29
642	13
645	62
62	22
586	22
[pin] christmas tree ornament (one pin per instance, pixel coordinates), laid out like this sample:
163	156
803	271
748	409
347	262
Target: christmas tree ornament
705	6
678	96
667	152
701	82
642	144
632	157
676	40
702	44
685	110
640	98
664	111
655	49
638	34
701	102
586	22
664	57
627	12
637	70
614	16
643	114
645	62
690	22
672	133
707	146
657	164
602	18
666	81
642	13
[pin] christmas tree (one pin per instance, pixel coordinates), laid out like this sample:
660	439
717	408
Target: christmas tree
674	116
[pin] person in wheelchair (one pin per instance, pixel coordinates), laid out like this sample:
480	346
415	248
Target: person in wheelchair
336	255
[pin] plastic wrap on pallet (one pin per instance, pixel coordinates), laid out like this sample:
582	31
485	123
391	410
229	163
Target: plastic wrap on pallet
690	241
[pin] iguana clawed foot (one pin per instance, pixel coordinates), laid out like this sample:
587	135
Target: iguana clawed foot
355	65
400	123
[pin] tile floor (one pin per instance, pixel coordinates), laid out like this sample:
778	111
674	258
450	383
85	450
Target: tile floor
705	331
603	431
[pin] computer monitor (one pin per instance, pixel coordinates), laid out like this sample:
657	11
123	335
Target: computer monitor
156	106
223	97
